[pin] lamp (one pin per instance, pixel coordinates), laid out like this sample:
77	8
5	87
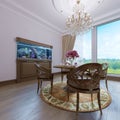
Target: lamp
80	21
76	13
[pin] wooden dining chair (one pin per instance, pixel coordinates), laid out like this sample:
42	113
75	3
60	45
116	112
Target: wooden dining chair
85	79
43	74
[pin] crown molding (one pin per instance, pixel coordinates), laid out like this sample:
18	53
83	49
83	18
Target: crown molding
16	8
10	4
107	17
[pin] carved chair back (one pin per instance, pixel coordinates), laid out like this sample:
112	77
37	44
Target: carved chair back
86	76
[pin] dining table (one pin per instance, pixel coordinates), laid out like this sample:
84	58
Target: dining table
64	69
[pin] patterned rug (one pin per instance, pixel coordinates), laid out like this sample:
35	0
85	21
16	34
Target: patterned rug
59	99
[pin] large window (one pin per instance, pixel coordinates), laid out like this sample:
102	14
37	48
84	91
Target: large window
108	45
107	49
83	46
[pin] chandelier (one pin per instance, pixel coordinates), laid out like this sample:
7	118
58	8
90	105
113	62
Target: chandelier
80	21
76	14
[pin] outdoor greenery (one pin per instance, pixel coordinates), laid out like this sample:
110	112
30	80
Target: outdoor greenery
114	64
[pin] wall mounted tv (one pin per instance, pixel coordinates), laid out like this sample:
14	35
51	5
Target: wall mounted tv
33	50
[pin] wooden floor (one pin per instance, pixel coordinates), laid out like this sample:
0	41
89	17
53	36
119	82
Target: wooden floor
21	102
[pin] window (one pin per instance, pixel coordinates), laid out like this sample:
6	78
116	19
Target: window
108	45
107	49
83	47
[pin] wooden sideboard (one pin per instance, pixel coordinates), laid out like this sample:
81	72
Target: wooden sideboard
26	68
29	52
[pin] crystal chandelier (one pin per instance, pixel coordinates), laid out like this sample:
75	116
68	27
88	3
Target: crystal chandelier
80	21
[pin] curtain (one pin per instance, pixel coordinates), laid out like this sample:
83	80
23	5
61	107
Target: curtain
67	44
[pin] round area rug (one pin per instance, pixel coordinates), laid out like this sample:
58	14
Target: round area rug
59	99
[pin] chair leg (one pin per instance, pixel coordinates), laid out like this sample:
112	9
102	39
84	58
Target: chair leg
77	108
51	86
40	83
99	103
62	77
106	84
38	86
92	98
68	93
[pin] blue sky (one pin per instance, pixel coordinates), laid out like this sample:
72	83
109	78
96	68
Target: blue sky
109	40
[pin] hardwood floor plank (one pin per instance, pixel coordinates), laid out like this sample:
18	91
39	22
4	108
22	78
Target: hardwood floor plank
20	101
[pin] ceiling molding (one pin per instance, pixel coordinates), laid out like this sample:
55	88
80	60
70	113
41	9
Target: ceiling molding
107	17
16	8
19	9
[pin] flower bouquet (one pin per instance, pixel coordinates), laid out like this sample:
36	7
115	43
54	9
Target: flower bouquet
71	55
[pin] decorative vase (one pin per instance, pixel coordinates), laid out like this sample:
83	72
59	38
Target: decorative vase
70	61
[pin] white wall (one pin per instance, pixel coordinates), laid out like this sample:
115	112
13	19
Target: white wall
14	25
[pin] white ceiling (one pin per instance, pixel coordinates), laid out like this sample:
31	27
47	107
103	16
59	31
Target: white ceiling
44	12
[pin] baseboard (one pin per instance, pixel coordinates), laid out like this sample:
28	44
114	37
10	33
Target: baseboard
7	82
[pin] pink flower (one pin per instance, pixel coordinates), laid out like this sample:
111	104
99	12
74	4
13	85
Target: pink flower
72	54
